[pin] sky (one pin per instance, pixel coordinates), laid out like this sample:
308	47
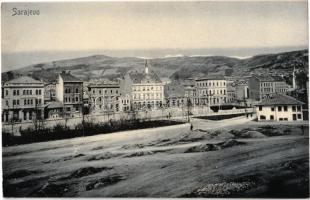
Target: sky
77	27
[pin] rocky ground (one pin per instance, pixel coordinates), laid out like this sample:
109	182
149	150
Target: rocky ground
231	158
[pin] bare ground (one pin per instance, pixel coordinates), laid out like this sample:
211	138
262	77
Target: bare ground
228	159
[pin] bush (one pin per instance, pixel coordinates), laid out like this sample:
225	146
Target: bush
59	131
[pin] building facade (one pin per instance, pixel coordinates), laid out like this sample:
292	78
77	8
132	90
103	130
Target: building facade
279	107
69	91
146	90
211	90
22	100
262	87
104	96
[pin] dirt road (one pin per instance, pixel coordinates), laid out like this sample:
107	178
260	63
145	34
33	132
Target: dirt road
211	162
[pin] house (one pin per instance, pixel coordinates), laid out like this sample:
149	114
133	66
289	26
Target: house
54	110
211	90
279	107
104	96
146	90
22	99
69	92
49	92
261	87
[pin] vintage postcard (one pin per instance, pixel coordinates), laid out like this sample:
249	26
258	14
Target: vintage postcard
177	99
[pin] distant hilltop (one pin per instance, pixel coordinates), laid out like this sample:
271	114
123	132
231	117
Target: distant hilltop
168	68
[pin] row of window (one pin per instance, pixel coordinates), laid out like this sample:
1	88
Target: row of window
68	99
146	88
285	108
68	90
211	83
212	92
25	92
100	91
147	96
271	117
16	102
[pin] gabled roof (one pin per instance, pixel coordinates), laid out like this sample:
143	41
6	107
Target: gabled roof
264	78
279	99
144	78
25	80
212	77
54	104
67	77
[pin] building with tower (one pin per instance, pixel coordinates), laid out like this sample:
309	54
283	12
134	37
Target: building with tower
146	90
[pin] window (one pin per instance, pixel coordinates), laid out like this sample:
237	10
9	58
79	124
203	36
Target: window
76	108
39	92
272	108
111	91
14	102
17	102
68	109
299	116
262	117
294	117
24	92
6	92
30	92
30	115
31	101
17	92
285	108
299	108
280	108
260	108
271	117
77	90
285	119
14	92
7	103
281	119
76	99
25	115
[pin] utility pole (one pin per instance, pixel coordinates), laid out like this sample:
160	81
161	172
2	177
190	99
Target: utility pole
82	106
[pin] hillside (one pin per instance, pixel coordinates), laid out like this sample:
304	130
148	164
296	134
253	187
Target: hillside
101	66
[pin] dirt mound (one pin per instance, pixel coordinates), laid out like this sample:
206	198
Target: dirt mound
103	182
87	171
221	189
214	147
229	143
224	135
254	134
105	156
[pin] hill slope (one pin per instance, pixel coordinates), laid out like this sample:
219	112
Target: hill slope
101	66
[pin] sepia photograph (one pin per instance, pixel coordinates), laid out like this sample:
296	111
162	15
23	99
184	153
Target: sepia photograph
160	99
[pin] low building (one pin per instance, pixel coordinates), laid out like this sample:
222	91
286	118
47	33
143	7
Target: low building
69	91
279	107
54	110
104	96
22	100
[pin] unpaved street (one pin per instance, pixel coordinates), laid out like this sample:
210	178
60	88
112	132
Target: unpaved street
254	160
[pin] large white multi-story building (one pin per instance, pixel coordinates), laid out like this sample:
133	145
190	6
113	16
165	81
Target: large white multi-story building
146	90
22	100
211	90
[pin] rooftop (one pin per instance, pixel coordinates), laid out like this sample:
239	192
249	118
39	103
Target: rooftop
269	78
280	99
54	104
212	77
67	77
24	80
144	78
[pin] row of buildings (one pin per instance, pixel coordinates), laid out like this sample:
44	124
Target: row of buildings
25	99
